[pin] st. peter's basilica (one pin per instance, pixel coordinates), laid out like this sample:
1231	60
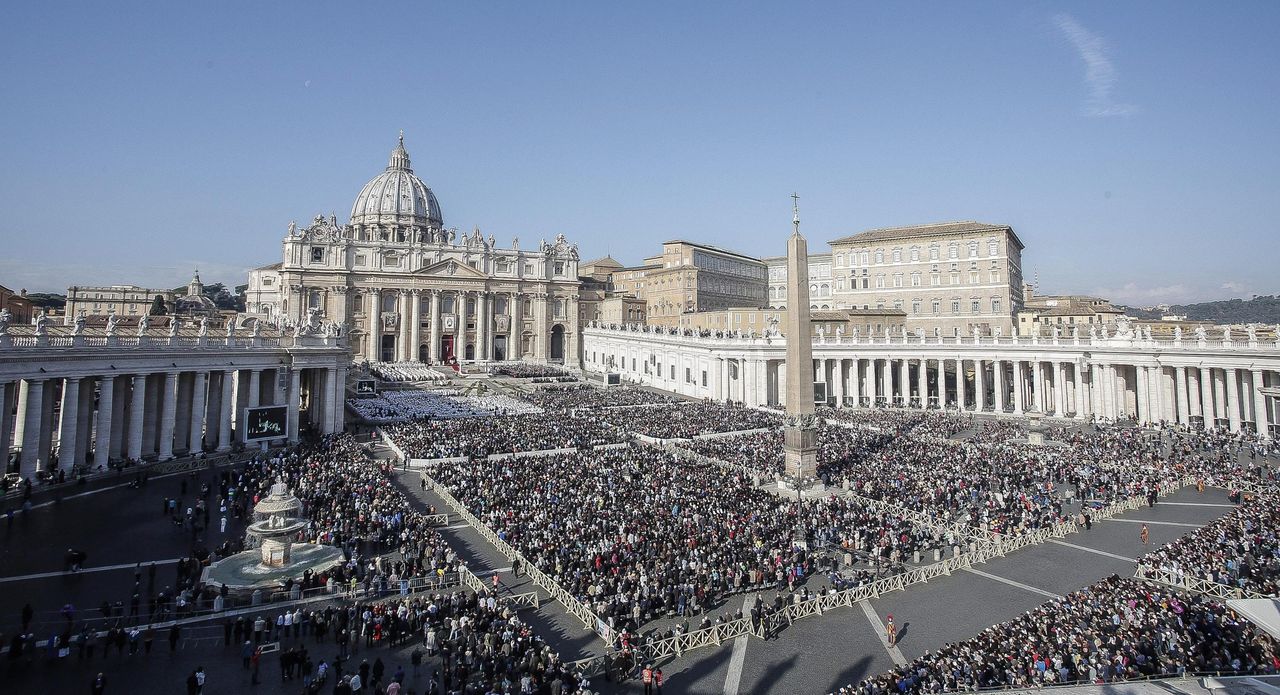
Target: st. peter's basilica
410	289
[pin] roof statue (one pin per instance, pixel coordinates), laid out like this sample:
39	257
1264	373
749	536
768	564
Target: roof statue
5	317
143	324
112	322
42	322
79	325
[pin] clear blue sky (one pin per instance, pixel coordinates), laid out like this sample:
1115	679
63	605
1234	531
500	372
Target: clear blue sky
1133	146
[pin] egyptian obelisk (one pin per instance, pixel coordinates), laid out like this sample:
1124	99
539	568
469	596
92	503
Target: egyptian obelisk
800	432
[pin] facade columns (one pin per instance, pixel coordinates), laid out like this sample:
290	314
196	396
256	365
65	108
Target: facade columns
433	350
904	379
137	410
855	382
402	336
375	325
294	397
1207	409
979	386
887	375
1143	390
415	326
1038	401
69	427
1233	400
1081	395
482	325
102	440
837	374
168	414
922	377
961	385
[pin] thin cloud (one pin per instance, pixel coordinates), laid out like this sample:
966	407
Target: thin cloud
1134	293
1099	74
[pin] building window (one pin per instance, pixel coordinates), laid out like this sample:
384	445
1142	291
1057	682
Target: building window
915	307
955	306
704	378
915	279
317	254
897	255
897	279
953	251
915	253
937	306
559	267
880	282
973	249
995	305
975	306
933	253
995	276
993	248
955	278
879	256
973	277
267	282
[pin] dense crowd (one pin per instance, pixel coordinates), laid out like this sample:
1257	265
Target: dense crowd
582	396
1116	630
525	370
934	423
406	372
397	406
480	437
841	450
640	533
689	419
1240	550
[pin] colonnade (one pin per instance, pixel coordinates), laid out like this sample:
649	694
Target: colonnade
89	421
1222	385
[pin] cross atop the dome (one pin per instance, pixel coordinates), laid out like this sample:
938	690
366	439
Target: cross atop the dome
402	138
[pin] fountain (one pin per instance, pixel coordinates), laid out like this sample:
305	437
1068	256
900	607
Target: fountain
276	557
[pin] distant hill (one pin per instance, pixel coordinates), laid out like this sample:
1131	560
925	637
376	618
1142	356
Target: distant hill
1260	309
46	300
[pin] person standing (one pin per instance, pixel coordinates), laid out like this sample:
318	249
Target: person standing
1144	534
890	631
646	677
99	685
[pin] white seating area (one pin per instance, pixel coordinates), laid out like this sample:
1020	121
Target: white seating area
406	372
397	406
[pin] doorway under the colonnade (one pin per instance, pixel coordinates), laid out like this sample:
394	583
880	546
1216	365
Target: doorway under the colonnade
500	348
470	353
424	354
557	342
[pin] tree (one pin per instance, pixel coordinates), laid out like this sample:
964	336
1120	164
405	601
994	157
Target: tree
157	307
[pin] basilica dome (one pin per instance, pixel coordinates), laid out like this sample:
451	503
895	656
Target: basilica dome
396	196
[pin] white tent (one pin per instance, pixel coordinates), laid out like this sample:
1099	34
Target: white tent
1263	612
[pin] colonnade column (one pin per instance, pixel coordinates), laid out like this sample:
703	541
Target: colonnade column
1038	401
997	376
415	326
1059	389
293	398
482	325
31	423
168	415
1206	399
102	441
433	350
137	409
69	427
402	334
1017	387
904	378
1233	400
979	386
195	435
855	382
871	381
922	376
226	404
961	384
837	375
1081	395
1261	421
887	375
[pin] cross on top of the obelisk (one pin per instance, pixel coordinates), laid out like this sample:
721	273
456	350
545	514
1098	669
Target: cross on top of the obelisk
795	211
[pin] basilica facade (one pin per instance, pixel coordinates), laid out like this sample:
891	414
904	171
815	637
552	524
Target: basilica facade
409	289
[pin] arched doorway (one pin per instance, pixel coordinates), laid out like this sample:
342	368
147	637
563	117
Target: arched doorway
470	353
557	342
446	348
424	355
388	352
500	348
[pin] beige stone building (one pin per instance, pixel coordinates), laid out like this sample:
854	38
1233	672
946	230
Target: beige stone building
1042	313
688	277
948	277
820	281
411	290
123	300
20	308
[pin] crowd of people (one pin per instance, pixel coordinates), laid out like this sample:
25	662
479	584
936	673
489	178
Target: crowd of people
402	405
840	450
1115	630
689	419
406	372
1240	550
480	437
525	370
585	396
641	533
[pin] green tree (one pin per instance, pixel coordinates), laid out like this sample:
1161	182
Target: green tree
158	307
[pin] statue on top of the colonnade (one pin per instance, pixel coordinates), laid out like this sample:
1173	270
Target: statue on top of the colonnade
112	322
204	326
78	325
42	323
143	324
5	318
174	325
